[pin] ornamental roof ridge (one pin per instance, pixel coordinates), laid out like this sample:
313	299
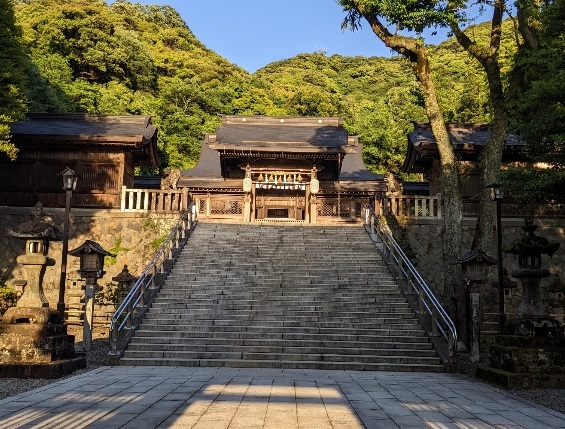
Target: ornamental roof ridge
282	120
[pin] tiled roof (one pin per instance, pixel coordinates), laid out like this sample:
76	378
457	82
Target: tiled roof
127	130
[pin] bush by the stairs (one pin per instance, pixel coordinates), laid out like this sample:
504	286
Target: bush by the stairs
8	298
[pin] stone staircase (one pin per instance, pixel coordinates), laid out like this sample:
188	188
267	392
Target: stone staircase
281	296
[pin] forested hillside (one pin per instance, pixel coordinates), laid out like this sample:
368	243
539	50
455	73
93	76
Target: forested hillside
125	58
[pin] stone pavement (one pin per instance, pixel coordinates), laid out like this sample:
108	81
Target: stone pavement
215	398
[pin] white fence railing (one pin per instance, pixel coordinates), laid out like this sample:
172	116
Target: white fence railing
154	200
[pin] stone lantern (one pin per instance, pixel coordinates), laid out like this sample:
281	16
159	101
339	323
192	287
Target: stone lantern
529	249
531	350
125	280
37	234
33	337
91	256
474	264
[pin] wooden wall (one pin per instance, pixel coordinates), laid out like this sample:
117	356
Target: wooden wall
35	176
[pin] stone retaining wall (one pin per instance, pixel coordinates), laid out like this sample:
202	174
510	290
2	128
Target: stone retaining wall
134	237
422	238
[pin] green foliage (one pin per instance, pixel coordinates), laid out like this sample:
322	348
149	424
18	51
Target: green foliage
535	188
538	112
127	58
156	243
8	298
12	65
408	15
116	250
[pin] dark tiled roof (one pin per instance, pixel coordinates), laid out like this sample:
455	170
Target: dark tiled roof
468	140
127	130
133	133
353	167
460	135
208	165
281	136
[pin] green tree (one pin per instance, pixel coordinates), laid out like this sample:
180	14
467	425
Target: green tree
538	112
12	70
537	109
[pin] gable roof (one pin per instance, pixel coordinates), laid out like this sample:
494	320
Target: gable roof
133	133
468	140
286	134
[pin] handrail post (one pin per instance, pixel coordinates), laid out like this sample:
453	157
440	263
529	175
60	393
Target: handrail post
114	339
409	282
153	276
451	344
421	300
129	314
434	321
142	294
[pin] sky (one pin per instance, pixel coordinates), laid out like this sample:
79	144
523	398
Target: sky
254	33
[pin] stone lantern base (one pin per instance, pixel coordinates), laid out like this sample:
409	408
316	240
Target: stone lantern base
526	362
35	344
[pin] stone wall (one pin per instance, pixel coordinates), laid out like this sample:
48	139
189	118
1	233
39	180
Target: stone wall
421	239
134	237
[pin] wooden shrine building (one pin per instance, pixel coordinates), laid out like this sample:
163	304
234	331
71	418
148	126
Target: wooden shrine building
102	150
273	169
468	139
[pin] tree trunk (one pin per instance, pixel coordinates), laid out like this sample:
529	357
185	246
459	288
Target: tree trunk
452	202
415	51
491	157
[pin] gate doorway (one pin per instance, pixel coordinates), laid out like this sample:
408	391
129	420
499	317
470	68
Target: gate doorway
280	205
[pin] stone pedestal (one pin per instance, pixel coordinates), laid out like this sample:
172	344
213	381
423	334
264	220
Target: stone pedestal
531	351
532	304
35	344
520	362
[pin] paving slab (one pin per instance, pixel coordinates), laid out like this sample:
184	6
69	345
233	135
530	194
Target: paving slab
236	398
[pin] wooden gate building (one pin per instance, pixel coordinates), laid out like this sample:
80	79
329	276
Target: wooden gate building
273	169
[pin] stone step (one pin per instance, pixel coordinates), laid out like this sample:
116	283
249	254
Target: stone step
283	297
302	336
344	317
285	364
354	350
166	323
312	357
149	341
411	330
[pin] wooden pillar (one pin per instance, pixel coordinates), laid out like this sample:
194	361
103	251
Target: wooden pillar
253	203
247	207
313	208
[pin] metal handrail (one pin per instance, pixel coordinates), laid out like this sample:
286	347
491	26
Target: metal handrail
427	303
140	296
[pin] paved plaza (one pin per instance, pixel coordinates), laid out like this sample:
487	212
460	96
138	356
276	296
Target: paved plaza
215	398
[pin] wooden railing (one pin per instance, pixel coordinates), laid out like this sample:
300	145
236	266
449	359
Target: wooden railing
413	206
154	200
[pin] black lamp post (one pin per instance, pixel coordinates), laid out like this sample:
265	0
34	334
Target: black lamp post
69	185
496	194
